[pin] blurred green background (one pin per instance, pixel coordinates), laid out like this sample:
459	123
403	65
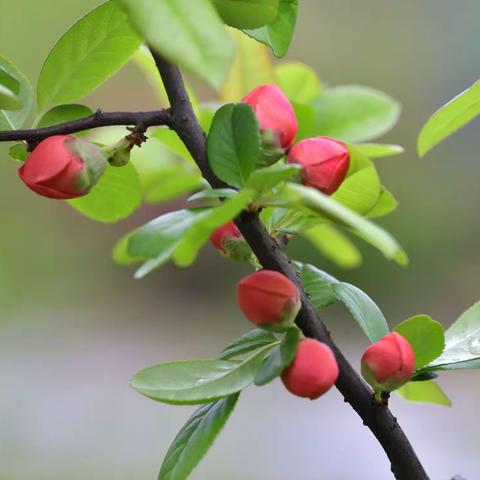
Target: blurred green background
74	326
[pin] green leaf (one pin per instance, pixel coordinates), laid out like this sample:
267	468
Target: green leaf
189	34
247	13
462	339
279	359
115	196
8	96
214	193
278	34
234	143
252	67
296	196
467	365
65	113
298	81
195	438
191	382
424	392
18	152
318	285
386	204
354	113
376	150
266	178
333	245
120	253
363	309
450	118
172	141
19	84
90	52
426	336
246	343
199	232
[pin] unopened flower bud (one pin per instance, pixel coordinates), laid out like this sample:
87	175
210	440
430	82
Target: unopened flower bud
324	162
269	299
228	240
63	166
389	363
313	371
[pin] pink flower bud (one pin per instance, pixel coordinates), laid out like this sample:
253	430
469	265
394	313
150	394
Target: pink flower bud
388	363
63	166
223	234
313	371
268	299
274	113
324	162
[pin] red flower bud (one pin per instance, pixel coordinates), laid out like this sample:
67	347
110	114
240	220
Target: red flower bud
274	113
313	371
63	166
388	363
268	299
223	234
324	162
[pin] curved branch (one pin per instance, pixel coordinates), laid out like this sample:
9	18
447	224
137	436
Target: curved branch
404	462
97	119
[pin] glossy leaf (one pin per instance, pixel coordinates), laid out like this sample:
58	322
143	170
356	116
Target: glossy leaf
65	113
318	285
190	382
424	392
14	119
117	195
234	143
187	33
462	339
247	13
248	342
377	150
90	52
298	81
298	195
279	358
451	117
426	336
333	245
195	438
386	204
354	113
266	178
252	67
9	90
278	34
214	193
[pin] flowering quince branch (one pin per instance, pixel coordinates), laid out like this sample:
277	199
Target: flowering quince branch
405	464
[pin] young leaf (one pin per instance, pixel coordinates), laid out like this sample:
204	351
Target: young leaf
297	196
363	309
18	152
278	34
426	336
354	113
246	343
451	117
195	438
19	84
424	392
64	113
90	52
8	98
234	143
213	193
279	359
298	81
247	13
251	68
377	150
115	196
191	382
266	178
333	245
466	365
318	285
462	339
187	33
386	204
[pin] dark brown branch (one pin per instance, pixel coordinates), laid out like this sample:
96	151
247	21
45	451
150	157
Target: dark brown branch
404	462
98	119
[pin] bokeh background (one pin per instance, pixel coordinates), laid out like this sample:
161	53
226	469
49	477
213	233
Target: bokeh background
74	326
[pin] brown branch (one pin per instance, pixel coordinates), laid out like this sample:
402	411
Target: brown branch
404	462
